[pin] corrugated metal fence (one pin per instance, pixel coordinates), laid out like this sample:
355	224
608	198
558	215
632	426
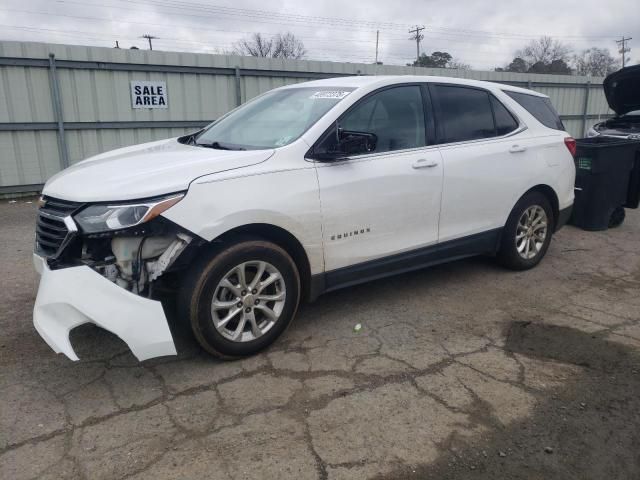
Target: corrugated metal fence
60	104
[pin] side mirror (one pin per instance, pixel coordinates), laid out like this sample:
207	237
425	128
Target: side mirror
352	143
344	144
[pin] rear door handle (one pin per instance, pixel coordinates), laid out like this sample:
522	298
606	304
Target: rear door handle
517	148
425	163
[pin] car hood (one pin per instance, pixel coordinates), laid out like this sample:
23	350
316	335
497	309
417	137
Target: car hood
145	170
622	89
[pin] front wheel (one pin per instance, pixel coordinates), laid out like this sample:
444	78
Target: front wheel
241	299
527	233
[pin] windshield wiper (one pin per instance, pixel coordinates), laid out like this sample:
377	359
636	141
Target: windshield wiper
218	146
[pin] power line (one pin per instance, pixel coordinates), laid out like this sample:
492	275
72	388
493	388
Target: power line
494	40
624	49
323	43
417	36
217	46
272	17
248	12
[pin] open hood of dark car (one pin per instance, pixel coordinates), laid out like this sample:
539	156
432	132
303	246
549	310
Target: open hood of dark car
622	89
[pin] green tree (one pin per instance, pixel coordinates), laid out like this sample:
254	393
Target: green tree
439	60
435	60
517	65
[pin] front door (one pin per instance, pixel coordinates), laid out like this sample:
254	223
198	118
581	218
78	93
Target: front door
387	201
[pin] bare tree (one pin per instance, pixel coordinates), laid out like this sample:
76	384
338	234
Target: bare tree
254	46
595	61
282	45
288	46
458	65
545	51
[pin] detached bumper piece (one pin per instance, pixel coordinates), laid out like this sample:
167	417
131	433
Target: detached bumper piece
73	296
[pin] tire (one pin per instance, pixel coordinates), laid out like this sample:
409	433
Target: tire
617	217
206	279
508	254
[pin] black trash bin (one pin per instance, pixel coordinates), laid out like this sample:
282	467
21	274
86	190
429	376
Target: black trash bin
604	184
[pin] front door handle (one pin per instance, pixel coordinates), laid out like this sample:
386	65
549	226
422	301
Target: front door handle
517	148
425	163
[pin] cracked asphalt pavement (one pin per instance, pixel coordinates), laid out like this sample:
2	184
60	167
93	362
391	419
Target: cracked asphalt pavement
460	371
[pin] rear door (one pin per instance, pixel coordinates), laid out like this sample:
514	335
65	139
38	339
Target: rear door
387	201
486	160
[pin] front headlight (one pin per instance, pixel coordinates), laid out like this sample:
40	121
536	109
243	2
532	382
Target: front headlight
592	132
105	217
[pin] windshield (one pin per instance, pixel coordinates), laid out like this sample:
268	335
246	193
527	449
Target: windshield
274	119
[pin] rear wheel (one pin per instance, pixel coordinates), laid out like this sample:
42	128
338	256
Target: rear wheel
527	234
240	300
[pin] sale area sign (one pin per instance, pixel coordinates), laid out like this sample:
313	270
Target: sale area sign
148	94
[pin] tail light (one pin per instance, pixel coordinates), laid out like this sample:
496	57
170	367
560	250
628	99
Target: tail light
570	142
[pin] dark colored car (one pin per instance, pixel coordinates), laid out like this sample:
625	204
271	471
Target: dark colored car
622	89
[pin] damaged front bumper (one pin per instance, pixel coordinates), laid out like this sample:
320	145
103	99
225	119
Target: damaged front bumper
69	297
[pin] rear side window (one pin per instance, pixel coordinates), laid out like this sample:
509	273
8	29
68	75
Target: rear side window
505	123
540	107
464	113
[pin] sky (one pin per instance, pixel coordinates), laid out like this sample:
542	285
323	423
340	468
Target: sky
483	34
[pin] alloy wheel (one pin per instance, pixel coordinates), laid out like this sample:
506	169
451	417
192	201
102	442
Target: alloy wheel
531	232
248	301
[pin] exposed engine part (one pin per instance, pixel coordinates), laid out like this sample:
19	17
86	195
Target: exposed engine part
129	250
139	261
132	258
157	268
111	272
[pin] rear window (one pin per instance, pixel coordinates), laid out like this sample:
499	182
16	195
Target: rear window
465	113
540	107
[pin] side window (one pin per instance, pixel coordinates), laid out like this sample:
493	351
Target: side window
540	107
395	115
464	113
505	123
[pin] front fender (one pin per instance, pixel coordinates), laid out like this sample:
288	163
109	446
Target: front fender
286	199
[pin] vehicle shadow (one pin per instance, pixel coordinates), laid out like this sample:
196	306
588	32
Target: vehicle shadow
587	429
94	343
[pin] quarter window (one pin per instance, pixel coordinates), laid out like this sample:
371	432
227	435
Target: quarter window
464	113
505	123
395	115
540	107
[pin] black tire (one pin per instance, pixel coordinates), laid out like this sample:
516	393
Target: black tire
617	217
200	282
508	254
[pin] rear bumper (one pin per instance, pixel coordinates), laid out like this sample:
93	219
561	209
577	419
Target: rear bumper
563	217
72	296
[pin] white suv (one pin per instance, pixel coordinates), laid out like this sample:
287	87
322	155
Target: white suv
305	189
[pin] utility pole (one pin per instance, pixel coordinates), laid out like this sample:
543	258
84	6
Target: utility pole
417	36
377	38
149	37
623	48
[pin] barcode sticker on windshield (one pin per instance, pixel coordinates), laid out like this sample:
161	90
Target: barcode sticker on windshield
334	94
